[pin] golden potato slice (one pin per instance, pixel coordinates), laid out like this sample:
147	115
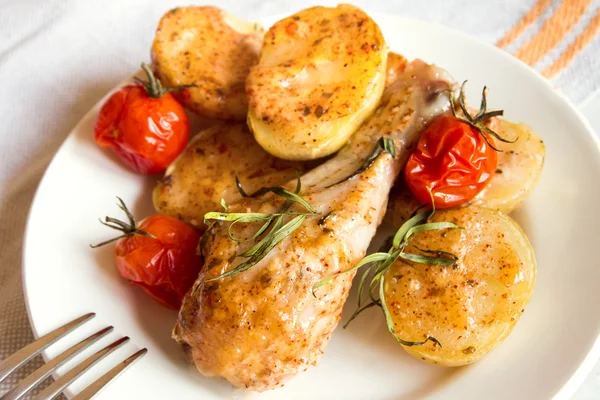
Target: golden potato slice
396	64
211	49
519	168
471	308
320	75
206	170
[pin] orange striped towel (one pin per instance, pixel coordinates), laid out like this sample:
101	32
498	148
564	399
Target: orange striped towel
554	37
559	38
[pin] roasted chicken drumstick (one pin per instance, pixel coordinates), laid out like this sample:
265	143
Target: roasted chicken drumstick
262	326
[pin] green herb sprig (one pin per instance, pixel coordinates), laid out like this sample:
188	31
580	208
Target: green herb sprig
273	230
392	249
477	121
383	145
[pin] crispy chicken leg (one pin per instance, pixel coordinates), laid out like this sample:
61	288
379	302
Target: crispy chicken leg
262	326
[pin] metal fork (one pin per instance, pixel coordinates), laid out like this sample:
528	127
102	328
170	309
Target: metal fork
22	356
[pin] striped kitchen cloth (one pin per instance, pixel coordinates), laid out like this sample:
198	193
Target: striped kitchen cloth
552	36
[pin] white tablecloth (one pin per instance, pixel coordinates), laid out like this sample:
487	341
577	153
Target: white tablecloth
59	57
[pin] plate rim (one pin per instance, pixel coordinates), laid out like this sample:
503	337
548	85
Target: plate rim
568	388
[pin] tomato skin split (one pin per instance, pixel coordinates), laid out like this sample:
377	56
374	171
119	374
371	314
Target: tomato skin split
146	133
165	266
452	161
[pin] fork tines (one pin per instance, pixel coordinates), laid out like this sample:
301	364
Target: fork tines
22	356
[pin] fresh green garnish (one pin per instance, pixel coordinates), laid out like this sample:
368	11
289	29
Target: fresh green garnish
274	228
383	145
379	262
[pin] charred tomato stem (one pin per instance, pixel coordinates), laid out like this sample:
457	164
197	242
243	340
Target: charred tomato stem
477	121
129	228
153	86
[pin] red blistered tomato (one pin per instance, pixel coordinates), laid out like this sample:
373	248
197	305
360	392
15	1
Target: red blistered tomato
452	160
144	124
159	255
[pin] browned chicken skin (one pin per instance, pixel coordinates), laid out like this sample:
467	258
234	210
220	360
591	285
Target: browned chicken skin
396	64
260	327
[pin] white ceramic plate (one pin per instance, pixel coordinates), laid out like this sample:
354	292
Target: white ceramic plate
549	353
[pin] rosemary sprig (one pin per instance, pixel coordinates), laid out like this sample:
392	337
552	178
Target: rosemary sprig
478	120
279	191
273	229
379	263
383	145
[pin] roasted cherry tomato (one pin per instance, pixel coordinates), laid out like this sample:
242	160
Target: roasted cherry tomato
452	160
144	124
456	155
159	255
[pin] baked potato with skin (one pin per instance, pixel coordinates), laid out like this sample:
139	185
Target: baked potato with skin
519	169
321	74
194	184
472	307
206	47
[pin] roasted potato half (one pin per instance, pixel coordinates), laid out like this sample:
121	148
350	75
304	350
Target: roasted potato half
321	74
471	307
206	47
519	169
205	172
